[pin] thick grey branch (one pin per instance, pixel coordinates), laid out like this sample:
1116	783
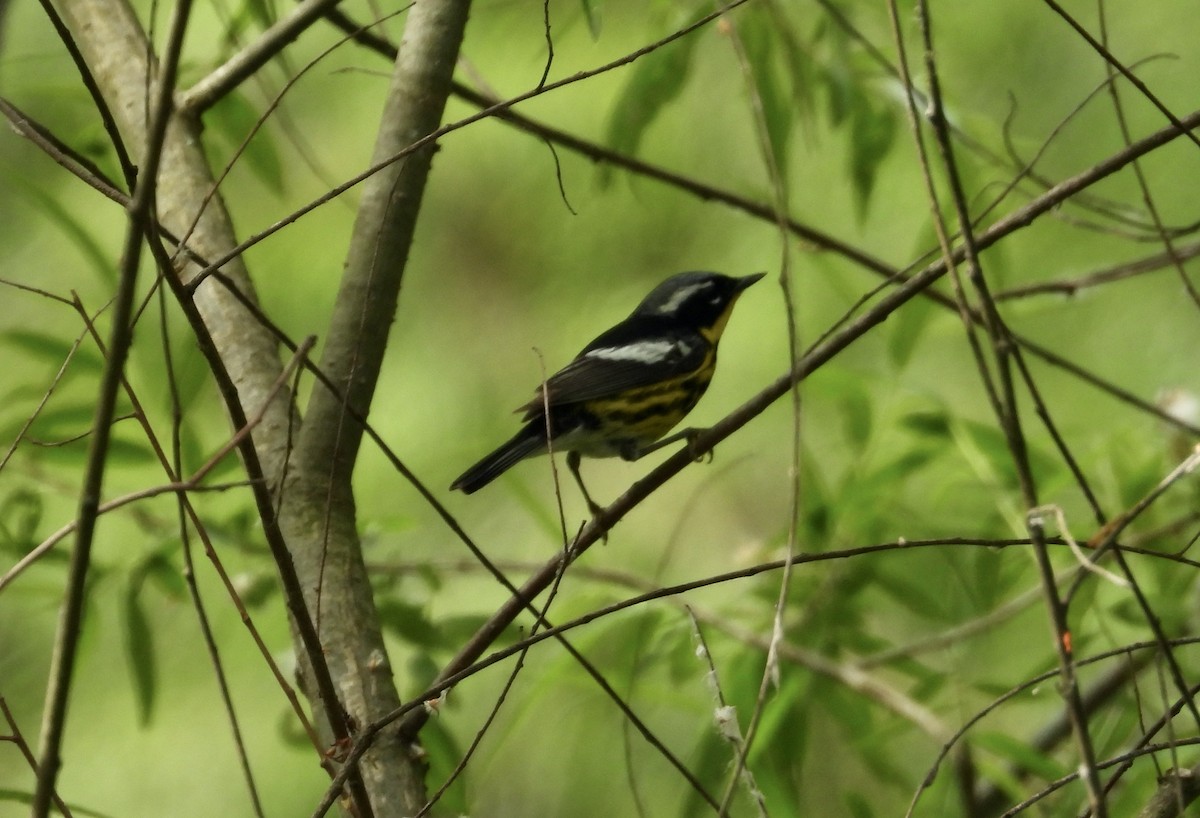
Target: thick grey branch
318	512
383	231
115	48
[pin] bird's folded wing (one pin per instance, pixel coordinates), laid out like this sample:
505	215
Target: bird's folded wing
622	358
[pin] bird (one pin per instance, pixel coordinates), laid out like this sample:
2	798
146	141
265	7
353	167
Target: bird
628	387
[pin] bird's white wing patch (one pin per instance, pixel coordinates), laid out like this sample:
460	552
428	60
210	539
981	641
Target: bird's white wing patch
645	352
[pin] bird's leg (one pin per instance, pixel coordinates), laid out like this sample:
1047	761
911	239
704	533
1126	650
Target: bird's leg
690	434
573	459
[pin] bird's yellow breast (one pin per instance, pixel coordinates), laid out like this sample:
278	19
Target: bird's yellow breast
638	417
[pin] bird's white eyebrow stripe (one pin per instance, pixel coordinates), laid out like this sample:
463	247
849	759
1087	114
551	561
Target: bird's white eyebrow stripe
646	352
681	295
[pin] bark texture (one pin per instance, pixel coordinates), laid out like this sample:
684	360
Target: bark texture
318	516
317	512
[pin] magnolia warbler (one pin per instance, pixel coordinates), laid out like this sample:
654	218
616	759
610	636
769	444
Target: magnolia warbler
628	387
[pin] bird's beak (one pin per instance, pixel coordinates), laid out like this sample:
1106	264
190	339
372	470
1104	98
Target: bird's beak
746	281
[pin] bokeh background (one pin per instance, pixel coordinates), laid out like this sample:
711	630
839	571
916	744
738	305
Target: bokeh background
524	253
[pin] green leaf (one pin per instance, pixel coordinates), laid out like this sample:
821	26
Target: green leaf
227	467
782	720
60	423
592	15
839	84
409	623
800	68
818	514
192	453
457	629
709	763
1139	469
246	18
857	806
986	448
928	423
124	452
907	325
847	707
20	516
291	733
164	574
260	11
866	498
191	373
421	672
1020	754
1014	786
678	655
655	80
928	681
99	259
992	578
444	753
233	118
1120	722
255	589
853	398
758	33
139	650
120	452
53	349
914	594
873	132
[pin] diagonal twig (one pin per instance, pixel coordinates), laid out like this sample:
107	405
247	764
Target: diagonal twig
71	618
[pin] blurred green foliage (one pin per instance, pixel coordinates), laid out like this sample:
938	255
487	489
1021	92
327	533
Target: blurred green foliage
523	254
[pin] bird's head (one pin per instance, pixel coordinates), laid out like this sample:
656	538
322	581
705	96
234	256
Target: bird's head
699	300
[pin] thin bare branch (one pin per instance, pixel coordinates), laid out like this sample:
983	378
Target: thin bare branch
725	718
192	483
242	65
448	681
1160	228
1134	80
128	168
33	416
17	738
71	621
772	166
73	161
1118	272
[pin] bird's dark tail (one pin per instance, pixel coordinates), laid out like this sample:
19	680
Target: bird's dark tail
529	440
